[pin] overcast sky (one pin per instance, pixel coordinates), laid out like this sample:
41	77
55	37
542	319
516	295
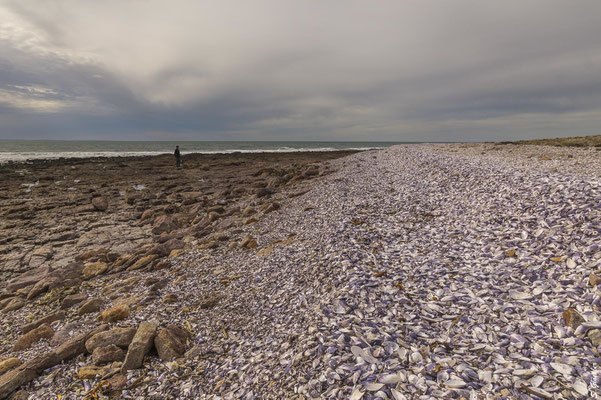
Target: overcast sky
300	70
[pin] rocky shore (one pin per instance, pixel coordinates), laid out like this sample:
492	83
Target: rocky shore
419	271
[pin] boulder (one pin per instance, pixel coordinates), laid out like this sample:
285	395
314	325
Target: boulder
107	354
25	341
48	319
116	313
90	306
139	346
117	336
170	342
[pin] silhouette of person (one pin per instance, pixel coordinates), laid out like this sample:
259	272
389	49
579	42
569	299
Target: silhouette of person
178	158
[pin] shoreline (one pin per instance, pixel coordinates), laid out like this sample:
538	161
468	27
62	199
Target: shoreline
414	271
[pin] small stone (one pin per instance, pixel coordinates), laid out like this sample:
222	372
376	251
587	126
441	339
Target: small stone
594	336
116	313
121	337
248	243
209	302
41	332
272	207
89	372
250	220
100	203
176	252
510	253
142	262
90	306
594	280
15	304
140	346
93	269
117	382
72	300
8	364
170	298
572	318
170	342
248	211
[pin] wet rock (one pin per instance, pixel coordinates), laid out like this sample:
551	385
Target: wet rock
90	306
121	337
8	364
25	341
140	345
116	313
48	319
93	269
72	300
572	318
107	354
100	203
170	342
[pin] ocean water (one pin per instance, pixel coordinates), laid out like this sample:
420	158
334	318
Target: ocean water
22	151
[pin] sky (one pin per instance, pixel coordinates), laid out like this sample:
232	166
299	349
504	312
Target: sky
423	70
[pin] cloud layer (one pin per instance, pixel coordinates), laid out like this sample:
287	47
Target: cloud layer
290	70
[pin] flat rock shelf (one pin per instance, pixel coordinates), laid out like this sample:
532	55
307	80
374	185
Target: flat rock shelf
415	272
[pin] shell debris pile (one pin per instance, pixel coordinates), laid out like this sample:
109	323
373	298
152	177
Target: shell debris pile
415	272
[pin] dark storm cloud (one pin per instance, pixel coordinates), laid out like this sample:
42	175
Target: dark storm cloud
348	70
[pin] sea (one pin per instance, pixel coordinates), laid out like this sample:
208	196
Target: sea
25	150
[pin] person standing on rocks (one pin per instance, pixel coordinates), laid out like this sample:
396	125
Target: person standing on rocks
178	158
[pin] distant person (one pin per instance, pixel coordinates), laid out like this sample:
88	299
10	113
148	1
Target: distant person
178	157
